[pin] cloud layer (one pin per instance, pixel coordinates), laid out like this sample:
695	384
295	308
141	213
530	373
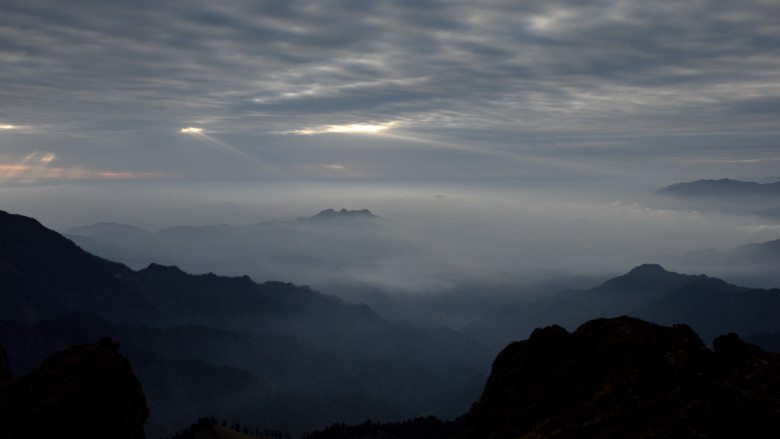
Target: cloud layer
99	84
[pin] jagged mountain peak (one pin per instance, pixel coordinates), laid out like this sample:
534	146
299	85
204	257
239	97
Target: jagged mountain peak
344	213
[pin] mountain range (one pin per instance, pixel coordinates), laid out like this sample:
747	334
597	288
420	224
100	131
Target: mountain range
288	357
304	250
709	305
265	354
724	188
728	195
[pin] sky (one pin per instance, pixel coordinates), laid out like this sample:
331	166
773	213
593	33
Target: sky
158	113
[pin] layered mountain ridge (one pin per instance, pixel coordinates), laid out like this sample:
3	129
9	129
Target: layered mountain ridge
266	354
710	305
286	356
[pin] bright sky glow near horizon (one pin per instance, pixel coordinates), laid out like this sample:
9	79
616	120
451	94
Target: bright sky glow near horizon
159	113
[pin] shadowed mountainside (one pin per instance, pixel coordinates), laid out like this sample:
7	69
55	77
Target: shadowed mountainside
270	354
44	275
85	391
710	305
623	377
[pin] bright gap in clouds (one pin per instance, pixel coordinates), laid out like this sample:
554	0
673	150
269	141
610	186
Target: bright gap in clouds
355	128
9	127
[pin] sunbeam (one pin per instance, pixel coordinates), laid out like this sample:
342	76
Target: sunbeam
222	146
32	167
526	159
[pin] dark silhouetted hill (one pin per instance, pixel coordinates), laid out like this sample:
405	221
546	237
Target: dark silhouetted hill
85	391
623	377
45	275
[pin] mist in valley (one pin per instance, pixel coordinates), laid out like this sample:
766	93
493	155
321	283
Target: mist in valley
433	255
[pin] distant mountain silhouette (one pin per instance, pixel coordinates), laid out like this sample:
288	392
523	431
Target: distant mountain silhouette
85	391
723	188
303	250
623	377
343	213
757	252
710	305
267	353
752	264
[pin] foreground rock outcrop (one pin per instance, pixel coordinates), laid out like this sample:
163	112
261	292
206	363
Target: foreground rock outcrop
85	391
623	377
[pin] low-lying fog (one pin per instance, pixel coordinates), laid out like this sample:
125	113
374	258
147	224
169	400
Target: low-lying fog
428	238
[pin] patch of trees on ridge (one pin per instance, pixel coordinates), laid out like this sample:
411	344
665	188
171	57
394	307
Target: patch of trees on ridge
428	427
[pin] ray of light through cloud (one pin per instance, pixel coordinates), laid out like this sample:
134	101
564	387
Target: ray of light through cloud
199	134
29	169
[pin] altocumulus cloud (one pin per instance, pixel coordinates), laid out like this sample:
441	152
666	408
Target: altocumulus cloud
546	78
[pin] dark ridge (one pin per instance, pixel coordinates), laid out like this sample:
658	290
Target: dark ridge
624	377
45	275
85	391
646	277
